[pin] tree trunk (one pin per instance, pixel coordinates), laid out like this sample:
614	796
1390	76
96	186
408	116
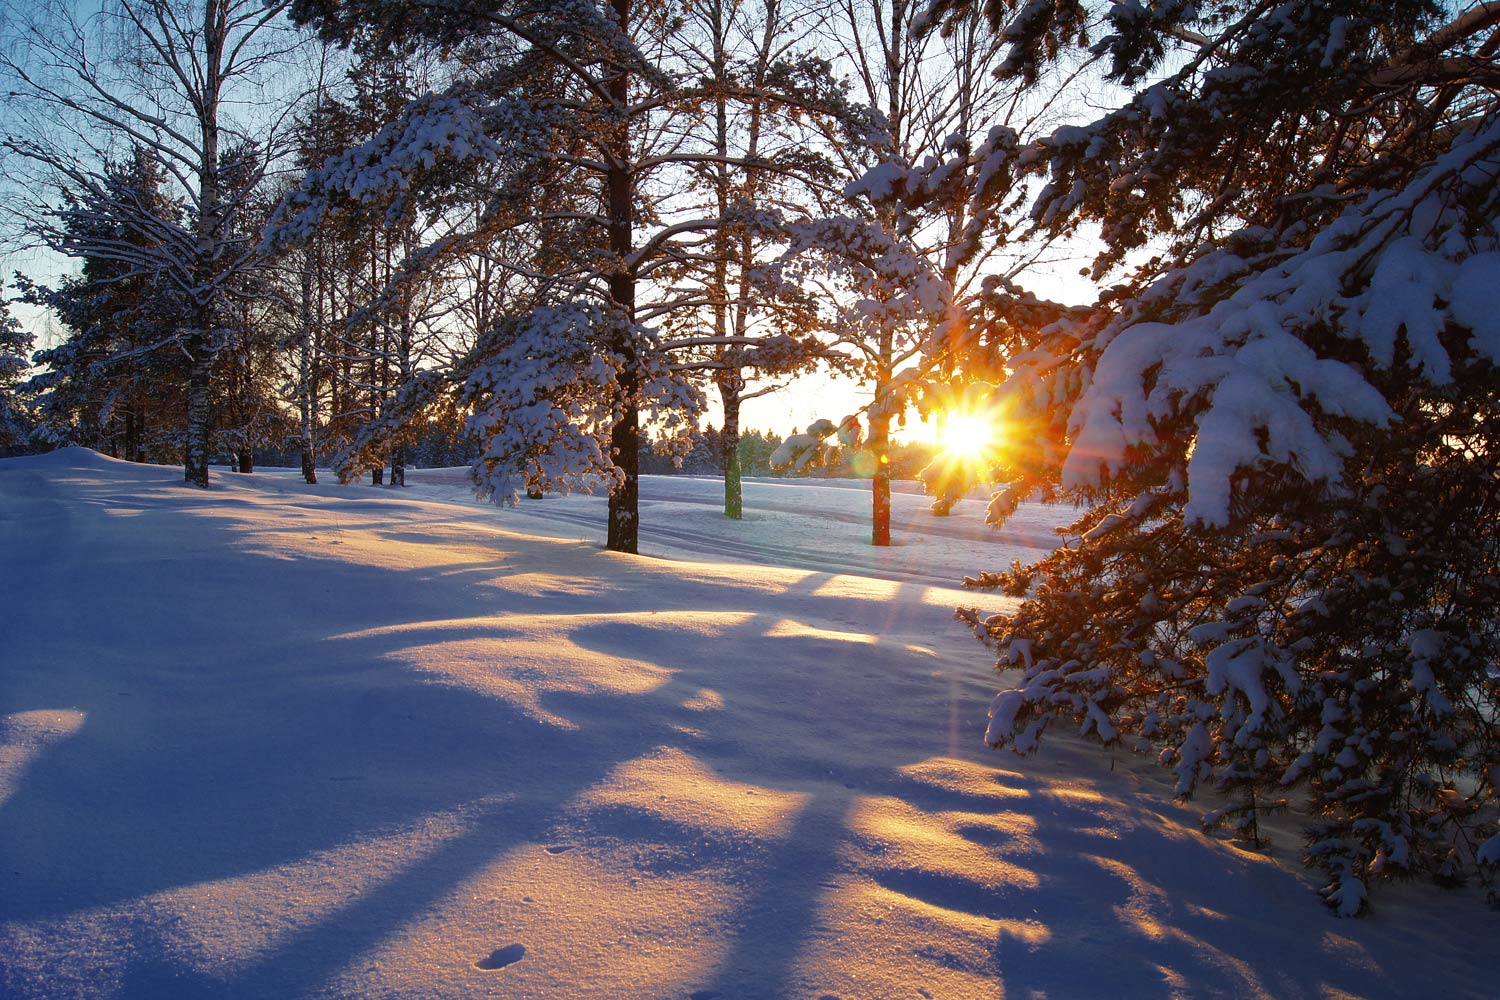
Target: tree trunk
624	501
306	383
139	453
132	431
625	436
200	367
729	392
880	482
200	342
247	461
404	367
942	505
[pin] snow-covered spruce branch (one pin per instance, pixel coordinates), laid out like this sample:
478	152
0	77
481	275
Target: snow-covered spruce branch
1259	383
1291	456
550	391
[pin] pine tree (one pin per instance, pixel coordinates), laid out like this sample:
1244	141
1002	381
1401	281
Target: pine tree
114	384
1285	424
16	420
579	117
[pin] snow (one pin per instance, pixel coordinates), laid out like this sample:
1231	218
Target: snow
286	741
1242	366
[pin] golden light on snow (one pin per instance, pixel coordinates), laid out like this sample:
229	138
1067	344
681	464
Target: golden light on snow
786	628
588	923
595	916
904	837
954	774
527	659
861	588
874	941
675	786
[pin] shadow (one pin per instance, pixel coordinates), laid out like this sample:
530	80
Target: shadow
784	909
279	738
289	733
331	754
1129	900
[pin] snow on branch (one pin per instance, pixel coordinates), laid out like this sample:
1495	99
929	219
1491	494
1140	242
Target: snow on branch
432	131
554	384
1393	275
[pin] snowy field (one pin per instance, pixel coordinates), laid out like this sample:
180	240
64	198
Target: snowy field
280	741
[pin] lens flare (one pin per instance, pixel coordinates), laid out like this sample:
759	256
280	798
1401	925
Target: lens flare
968	436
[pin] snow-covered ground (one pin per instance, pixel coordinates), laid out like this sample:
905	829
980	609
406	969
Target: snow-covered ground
279	741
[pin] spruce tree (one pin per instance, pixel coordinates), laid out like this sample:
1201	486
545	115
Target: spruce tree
1284	423
16	419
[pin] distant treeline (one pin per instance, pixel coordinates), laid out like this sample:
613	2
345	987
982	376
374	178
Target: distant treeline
756	448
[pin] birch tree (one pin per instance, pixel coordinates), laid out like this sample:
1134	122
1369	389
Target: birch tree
909	249
186	82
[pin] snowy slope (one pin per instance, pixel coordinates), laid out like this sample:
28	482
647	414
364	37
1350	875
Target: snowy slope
278	741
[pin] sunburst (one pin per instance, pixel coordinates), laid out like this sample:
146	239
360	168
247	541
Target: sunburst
968	436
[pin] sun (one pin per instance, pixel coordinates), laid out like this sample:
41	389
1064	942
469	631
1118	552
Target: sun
966	435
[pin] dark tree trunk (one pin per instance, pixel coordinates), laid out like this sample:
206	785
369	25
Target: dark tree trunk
307	385
404	367
377	476
880	483
200	368
624	502
247	461
131	434
625	436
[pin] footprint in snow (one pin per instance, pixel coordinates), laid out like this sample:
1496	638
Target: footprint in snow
501	957
560	848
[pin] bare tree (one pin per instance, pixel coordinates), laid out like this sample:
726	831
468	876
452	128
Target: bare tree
161	75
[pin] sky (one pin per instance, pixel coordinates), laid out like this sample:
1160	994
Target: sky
825	396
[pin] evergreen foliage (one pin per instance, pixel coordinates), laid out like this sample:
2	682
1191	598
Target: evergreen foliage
16	419
1285	424
114	384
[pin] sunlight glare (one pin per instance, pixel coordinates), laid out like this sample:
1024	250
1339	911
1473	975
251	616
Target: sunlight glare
968	435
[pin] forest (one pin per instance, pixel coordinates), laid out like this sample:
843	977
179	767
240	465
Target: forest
562	241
